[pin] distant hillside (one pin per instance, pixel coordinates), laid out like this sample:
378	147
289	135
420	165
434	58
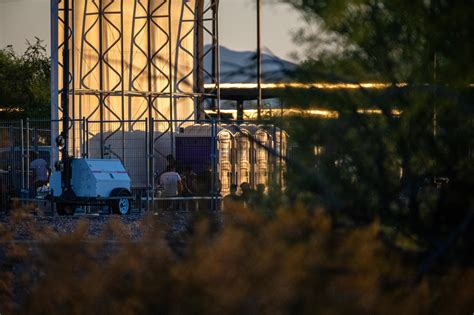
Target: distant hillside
240	66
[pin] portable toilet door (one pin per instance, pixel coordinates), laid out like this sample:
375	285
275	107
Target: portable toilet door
250	131
243	165
224	169
261	161
193	147
281	147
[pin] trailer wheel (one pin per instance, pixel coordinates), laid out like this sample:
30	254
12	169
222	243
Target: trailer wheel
120	206
64	209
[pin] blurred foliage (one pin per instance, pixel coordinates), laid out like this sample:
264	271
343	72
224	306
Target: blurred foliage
309	268
394	189
25	82
411	164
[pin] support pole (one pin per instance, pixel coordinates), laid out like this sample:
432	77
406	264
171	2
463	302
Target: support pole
66	173
218	57
199	59
28	154
101	79
22	155
240	110
149	120
259	61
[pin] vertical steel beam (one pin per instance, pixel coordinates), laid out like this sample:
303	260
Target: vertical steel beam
22	155
101	78
199	59
170	78
150	121
214	59
72	99
122	74
66	174
217	48
54	59
240	110
259	61
28	153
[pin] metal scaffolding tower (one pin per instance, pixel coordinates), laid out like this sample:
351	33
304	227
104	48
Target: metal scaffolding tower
132	60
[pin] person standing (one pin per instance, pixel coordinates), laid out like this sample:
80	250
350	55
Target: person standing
190	188
232	202
189	180
170	182
39	168
248	195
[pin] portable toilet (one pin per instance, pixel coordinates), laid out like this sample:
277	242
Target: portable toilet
262	145
194	147
225	166
281	148
244	148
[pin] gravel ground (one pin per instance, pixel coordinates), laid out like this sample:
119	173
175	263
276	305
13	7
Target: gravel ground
175	225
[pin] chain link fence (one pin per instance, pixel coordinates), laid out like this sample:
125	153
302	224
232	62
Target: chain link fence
213	158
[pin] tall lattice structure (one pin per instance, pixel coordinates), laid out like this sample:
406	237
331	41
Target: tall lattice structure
132	60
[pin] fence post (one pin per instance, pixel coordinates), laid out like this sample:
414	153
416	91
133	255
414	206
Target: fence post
123	140
22	155
83	137
280	156
147	152
28	154
87	138
214	180
151	160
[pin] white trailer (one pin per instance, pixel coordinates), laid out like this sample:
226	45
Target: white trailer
94	181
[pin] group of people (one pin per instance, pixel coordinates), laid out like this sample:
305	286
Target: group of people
172	183
248	197
188	183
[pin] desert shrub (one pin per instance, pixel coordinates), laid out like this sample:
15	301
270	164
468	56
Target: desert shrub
293	263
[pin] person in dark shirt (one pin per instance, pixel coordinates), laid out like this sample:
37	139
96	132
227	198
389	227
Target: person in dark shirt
190	186
232	201
248	195
189	180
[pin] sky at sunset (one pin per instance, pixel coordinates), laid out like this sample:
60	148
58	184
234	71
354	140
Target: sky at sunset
25	19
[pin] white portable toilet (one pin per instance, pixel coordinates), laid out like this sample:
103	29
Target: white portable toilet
194	149
262	164
250	132
225	168
281	148
243	151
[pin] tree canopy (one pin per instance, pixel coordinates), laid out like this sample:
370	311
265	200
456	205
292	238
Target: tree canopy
25	82
411	163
